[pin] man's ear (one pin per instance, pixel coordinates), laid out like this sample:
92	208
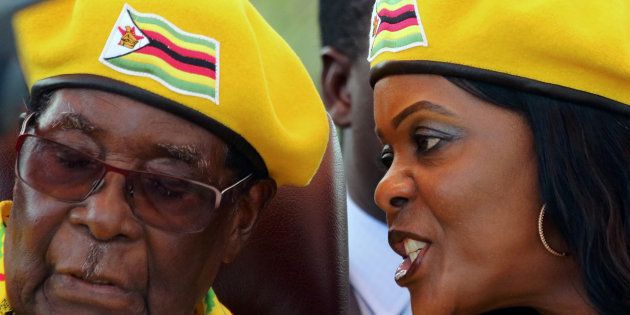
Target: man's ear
246	214
336	68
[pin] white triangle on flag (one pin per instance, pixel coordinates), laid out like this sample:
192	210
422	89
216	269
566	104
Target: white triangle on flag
114	47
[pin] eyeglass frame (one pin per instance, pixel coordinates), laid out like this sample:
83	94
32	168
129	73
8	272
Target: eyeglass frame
23	135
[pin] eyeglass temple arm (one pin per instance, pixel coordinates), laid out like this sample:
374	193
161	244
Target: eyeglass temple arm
237	183
26	121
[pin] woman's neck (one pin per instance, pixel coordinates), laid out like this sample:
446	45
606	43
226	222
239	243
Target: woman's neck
564	295
560	291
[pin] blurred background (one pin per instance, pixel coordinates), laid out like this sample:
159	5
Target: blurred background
296	21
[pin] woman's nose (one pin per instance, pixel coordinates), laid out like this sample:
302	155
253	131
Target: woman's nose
394	191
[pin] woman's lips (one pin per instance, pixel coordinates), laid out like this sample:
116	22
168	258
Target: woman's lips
414	252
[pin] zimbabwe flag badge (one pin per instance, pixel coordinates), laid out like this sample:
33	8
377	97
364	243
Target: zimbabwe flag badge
395	26
148	45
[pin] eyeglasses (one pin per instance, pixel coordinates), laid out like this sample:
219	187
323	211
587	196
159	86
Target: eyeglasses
162	201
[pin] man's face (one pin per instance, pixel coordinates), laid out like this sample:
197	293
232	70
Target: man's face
97	256
348	97
362	149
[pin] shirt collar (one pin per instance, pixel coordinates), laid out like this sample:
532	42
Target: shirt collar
373	263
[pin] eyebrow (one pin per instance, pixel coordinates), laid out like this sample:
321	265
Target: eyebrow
186	153
420	106
74	121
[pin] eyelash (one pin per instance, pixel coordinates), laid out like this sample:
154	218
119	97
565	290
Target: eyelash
425	145
387	156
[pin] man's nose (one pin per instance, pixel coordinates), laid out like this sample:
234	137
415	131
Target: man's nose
107	212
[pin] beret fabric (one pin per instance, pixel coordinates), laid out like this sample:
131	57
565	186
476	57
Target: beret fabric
216	63
574	50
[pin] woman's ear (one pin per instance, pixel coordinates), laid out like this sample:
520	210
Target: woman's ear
246	214
335	74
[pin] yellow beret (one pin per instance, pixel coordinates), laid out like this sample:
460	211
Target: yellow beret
216	63
573	50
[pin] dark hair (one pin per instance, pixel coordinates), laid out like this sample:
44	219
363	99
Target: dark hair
238	162
584	173
344	25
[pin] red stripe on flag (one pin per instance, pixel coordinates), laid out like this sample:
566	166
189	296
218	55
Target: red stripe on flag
397	12
182	51
148	50
398	26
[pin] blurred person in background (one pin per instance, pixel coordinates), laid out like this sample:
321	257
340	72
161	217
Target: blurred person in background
347	94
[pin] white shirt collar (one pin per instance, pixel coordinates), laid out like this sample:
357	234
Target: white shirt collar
373	263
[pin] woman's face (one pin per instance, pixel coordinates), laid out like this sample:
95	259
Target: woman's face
461	196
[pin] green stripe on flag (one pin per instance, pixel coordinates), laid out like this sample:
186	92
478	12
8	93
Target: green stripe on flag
397	43
210	299
175	33
394	2
153	70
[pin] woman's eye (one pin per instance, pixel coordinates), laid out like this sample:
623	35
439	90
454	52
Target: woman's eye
426	144
387	156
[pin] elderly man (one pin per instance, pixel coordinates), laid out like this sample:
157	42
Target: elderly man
156	133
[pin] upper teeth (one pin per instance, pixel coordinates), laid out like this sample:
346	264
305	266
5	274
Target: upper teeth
412	247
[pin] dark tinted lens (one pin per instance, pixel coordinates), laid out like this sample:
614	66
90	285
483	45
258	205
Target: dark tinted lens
57	170
172	203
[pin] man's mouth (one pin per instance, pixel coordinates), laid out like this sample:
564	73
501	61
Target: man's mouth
414	251
94	280
93	292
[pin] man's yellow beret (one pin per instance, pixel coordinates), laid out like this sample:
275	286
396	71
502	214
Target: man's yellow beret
573	50
216	63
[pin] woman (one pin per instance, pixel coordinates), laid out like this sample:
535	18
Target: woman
506	130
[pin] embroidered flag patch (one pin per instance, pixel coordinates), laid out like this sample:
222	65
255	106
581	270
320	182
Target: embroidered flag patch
148	45
396	26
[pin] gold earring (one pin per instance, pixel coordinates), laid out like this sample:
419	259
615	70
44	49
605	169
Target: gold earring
541	233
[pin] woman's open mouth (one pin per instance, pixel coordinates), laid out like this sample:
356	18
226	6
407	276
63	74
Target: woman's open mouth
414	252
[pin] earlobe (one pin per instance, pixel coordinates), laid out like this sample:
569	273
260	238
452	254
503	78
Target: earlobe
334	79
246	215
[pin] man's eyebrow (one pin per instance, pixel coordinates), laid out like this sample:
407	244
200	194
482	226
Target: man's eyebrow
74	121
186	153
419	106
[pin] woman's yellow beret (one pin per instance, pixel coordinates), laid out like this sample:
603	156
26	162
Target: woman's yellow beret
573	50
216	63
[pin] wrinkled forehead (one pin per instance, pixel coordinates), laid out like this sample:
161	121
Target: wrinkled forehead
127	126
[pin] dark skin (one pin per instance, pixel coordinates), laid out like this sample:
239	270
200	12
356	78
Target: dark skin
348	98
463	179
59	253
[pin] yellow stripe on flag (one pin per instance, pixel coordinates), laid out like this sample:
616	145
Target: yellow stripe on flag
176	73
385	34
393	7
175	40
